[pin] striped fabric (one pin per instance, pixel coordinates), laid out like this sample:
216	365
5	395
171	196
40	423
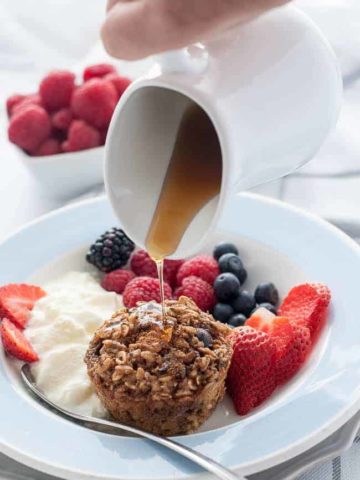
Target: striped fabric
346	467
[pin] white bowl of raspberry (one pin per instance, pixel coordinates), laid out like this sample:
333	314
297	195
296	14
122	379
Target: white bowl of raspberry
60	130
66	175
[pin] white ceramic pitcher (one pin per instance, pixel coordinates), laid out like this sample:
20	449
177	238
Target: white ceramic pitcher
272	89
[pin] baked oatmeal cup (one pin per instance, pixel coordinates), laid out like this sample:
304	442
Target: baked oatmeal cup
165	377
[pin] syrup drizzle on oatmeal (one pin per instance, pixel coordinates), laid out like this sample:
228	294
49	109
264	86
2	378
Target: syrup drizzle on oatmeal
192	179
160	271
150	312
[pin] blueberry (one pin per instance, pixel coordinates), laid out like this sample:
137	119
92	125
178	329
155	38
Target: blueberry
244	303
268	306
226	286
229	262
237	320
223	248
222	312
205	337
267	293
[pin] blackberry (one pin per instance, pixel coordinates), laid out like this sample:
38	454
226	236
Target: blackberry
110	251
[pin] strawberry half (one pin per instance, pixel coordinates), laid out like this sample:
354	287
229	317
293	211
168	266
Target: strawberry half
17	300
15	342
251	377
306	305
291	359
293	342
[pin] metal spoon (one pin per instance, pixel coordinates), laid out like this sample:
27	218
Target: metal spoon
107	426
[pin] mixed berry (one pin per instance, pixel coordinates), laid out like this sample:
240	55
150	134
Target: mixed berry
65	116
215	283
270	342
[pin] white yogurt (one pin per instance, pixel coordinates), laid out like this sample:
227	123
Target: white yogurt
60	328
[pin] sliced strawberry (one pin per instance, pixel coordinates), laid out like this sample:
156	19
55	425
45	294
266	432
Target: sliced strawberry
15	343
292	341
307	305
17	300
291	359
252	375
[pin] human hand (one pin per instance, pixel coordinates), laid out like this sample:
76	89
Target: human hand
137	28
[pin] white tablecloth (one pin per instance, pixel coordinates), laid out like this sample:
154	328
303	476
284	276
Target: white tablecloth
37	35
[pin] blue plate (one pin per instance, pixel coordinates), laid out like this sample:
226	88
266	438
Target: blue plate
277	241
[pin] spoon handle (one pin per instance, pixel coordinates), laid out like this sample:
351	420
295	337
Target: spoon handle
196	457
94	423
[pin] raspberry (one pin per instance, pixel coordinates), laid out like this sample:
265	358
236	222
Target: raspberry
12	101
119	82
103	134
202	266
171	268
117	280
198	290
98	71
95	101
81	137
143	265
29	127
144	289
56	89
62	119
33	99
51	146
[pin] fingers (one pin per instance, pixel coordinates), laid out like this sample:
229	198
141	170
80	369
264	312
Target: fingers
138	28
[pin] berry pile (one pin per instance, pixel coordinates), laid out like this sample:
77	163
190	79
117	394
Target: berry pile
64	116
269	350
213	282
235	304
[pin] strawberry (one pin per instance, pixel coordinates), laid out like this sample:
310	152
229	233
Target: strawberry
307	305
251	377
292	342
17	300
15	342
293	355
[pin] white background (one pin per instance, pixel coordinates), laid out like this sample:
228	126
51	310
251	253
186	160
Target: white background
38	35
